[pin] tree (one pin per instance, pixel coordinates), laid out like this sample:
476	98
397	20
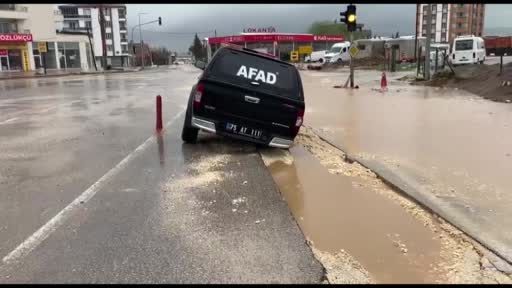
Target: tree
330	28
197	49
160	55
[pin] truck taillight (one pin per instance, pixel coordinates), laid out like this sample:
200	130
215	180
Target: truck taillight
474	55
299	121
198	95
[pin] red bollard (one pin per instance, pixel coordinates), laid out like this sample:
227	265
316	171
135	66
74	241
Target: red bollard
159	125
383	82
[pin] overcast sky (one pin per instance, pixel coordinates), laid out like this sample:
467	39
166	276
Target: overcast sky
229	19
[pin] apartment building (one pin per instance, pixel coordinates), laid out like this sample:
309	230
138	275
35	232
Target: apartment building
24	26
451	20
85	18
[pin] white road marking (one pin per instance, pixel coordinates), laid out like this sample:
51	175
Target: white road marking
9	120
42	233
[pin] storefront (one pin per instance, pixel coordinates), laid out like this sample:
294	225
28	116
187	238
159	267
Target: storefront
14	52
277	44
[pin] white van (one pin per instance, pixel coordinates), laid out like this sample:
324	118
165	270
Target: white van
468	50
338	53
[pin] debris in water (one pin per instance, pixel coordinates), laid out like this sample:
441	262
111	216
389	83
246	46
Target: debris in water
239	200
234	209
244	183
257	221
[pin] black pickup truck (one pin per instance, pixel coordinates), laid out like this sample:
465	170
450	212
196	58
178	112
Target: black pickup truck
247	95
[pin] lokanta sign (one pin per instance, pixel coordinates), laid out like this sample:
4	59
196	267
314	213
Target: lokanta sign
15	37
260	30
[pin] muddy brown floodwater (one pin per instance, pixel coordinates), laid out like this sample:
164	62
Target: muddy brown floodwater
357	225
335	214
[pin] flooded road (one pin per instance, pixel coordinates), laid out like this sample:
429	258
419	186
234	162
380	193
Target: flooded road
456	146
336	213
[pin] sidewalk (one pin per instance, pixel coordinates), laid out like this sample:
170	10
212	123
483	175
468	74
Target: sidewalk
57	73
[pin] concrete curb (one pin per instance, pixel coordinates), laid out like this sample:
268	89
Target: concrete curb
412	190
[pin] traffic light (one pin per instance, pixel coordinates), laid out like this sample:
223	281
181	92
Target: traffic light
160	21
349	18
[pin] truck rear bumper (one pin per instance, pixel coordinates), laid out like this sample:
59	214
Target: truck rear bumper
210	126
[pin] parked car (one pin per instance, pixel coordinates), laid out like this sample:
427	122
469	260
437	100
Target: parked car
246	95
316	56
468	50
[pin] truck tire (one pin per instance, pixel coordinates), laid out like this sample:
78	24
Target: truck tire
189	133
321	60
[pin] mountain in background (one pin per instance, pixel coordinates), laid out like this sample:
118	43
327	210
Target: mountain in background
497	31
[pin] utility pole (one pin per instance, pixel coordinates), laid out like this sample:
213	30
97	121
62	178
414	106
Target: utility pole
141	43
427	45
416	35
92	48
103	42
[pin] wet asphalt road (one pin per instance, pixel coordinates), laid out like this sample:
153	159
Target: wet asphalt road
161	211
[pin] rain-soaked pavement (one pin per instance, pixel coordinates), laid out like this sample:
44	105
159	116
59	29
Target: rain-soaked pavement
154	210
453	148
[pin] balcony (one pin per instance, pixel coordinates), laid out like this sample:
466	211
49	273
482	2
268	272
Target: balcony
76	16
11	11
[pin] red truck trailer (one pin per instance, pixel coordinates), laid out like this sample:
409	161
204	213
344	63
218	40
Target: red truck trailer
498	45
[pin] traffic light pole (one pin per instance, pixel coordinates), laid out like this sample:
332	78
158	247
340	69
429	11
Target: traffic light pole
351	62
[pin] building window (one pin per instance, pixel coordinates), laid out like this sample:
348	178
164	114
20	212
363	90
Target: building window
433	27
88	24
461	5
460	14
109	48
107	12
87	11
122	25
433	36
8	28
443	25
121	13
108	35
445	8
443	38
424	22
434	20
424	32
108	24
425	7
73	25
124	48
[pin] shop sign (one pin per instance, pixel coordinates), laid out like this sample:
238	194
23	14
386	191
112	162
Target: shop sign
270	29
305	49
15	37
41	46
275	38
3	52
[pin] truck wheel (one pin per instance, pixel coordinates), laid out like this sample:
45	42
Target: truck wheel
321	60
189	133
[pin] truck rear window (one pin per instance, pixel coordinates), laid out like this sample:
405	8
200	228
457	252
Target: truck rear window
463	45
241	69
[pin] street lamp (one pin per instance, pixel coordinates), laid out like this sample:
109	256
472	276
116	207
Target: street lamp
141	42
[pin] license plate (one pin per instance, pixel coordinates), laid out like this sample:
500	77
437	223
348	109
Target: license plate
243	130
